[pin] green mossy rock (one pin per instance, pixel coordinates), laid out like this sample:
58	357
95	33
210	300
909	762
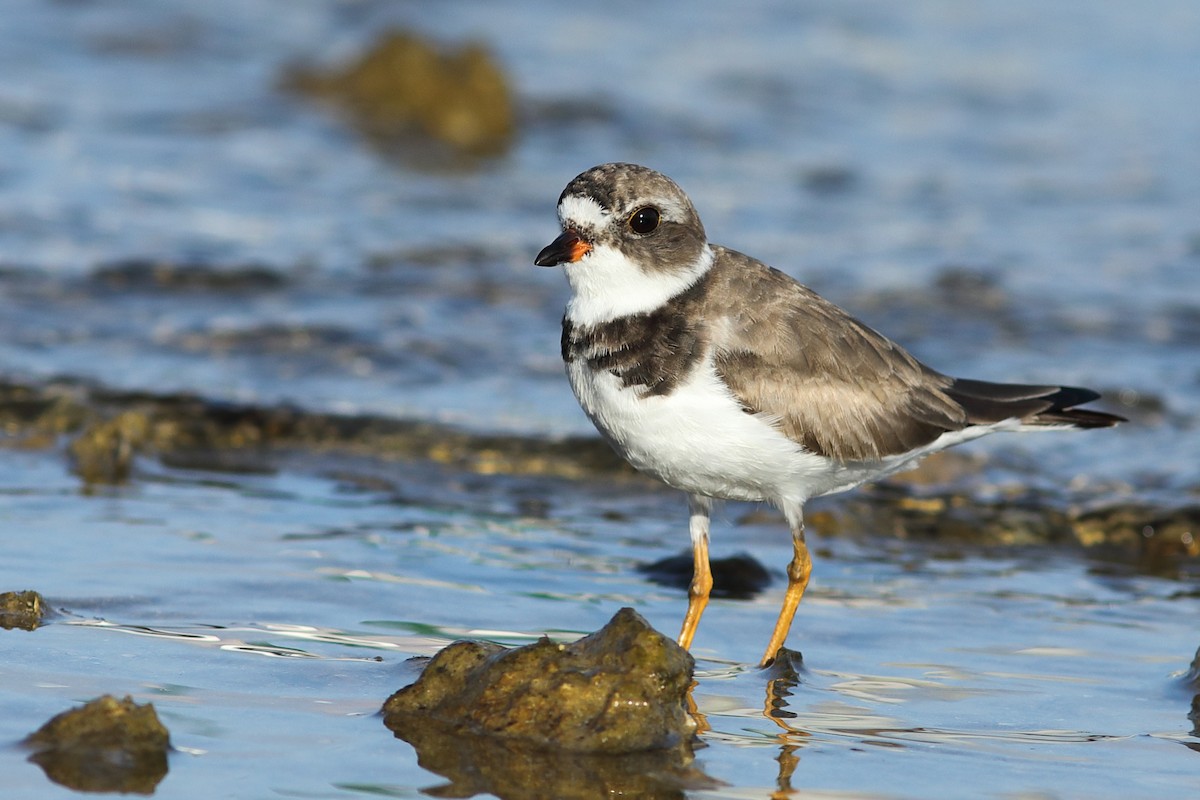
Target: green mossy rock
622	689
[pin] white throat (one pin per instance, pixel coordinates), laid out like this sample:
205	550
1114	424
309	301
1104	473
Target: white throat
605	285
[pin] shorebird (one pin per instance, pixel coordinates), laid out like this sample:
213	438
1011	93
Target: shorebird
725	378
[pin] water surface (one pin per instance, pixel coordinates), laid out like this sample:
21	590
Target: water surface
1011	191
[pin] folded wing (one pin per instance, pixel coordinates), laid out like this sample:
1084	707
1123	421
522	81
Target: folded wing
842	390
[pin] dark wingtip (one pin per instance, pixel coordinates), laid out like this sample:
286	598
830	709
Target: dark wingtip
1035	405
1080	418
1064	409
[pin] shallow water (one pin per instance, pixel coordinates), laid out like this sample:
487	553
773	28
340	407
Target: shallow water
1019	181
268	616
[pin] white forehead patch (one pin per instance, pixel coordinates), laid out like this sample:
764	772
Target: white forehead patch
582	212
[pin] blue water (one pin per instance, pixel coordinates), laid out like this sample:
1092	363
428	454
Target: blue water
268	616
1043	153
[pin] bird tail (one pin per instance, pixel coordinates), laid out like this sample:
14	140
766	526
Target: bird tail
1036	406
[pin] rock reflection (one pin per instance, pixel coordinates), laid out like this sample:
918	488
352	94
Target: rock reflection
103	770
516	771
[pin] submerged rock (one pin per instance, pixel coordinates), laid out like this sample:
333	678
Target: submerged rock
622	689
161	275
405	84
738	577
107	745
23	610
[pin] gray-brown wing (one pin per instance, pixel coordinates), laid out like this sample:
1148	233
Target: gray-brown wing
835	386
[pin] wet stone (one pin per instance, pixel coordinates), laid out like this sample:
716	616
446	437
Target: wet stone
1155	541
828	179
736	577
620	690
23	610
103	453
108	429
945	500
35	415
136	274
1192	678
405	84
107	745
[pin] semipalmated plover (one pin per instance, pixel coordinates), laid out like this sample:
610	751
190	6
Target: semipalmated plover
726	378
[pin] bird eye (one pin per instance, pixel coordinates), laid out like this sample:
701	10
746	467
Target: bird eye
644	220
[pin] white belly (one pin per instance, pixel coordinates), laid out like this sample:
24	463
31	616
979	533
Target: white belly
699	439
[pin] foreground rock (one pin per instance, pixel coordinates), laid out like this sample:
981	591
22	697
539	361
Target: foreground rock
107	745
604	716
23	610
621	690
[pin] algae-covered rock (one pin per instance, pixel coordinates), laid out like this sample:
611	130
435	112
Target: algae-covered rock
164	275
107	745
1159	536
405	84
23	610
622	689
103	452
190	431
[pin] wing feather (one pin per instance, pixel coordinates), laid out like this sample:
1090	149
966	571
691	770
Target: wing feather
835	386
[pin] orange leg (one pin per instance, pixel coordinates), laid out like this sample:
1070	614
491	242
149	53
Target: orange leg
702	581
798	571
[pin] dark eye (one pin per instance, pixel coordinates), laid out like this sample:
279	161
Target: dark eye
644	220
